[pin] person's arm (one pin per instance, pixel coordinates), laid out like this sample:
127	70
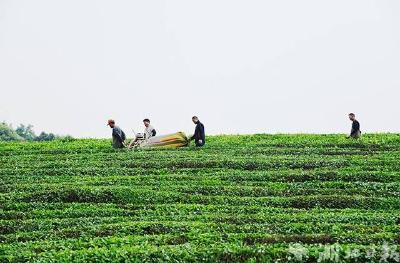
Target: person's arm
132	142
196	133
201	134
357	126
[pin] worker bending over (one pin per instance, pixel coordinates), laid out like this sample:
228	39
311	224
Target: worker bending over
149	132
118	135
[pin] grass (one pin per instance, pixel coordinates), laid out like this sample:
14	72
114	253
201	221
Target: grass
240	198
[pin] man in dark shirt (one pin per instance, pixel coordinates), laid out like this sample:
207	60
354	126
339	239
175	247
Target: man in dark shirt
199	136
118	135
355	127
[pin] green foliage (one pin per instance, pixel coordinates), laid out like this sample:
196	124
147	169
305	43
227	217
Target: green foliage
26	132
239	199
7	133
45	137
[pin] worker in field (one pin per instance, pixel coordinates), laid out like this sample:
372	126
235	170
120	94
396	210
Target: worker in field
118	135
355	127
149	132
199	136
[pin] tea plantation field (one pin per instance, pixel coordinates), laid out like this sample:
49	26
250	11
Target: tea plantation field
240	198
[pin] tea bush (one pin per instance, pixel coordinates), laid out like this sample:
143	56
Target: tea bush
240	198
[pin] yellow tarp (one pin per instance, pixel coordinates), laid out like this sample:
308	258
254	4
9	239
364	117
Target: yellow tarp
169	141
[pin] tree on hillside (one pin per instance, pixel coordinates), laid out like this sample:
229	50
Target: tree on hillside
45	137
7	133
26	132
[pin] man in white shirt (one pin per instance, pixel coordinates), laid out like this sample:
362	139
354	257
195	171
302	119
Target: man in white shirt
149	131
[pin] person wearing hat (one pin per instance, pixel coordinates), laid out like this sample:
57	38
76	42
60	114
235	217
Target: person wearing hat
118	135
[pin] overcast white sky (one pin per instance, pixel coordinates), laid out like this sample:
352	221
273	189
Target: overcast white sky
241	66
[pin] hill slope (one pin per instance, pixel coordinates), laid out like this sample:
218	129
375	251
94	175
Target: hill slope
241	197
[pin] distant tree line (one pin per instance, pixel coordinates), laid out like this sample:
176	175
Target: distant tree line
26	133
